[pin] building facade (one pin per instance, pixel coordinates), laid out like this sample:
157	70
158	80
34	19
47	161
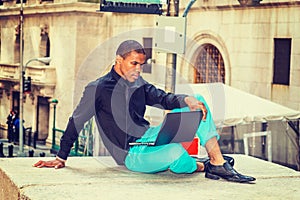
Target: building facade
250	45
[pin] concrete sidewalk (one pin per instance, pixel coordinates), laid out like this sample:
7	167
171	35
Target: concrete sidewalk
101	178
40	149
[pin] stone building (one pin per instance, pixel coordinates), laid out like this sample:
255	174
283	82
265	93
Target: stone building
248	44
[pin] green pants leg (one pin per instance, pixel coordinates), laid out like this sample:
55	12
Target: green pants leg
152	159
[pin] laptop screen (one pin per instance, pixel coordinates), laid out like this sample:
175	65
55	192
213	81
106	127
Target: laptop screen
179	127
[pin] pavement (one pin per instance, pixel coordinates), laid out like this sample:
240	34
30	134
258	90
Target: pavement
41	150
100	178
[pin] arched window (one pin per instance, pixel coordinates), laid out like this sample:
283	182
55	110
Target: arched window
209	65
45	42
17	44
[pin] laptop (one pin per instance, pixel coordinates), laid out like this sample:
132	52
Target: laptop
177	127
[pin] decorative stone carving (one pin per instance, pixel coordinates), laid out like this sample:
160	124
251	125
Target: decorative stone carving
44	43
9	3
249	2
17	30
45	1
44	29
32	97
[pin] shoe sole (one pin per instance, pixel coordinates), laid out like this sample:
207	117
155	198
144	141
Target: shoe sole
216	177
212	176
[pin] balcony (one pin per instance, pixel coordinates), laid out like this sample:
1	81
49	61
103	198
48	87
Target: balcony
9	72
42	76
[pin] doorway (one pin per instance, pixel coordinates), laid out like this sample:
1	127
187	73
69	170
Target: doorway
15	101
42	125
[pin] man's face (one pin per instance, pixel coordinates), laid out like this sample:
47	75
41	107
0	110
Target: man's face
131	66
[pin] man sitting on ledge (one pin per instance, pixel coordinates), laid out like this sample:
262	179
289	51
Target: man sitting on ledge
118	100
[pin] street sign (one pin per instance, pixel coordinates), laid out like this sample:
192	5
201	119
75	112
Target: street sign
133	6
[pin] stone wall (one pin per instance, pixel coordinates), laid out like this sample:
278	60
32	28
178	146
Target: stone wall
245	37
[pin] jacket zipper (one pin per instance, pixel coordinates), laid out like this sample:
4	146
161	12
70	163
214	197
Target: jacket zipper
126	113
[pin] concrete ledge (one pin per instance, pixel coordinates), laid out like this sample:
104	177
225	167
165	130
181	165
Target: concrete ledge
8	188
101	178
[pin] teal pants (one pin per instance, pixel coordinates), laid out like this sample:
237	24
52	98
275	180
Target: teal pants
153	159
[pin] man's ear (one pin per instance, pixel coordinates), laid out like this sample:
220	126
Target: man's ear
119	59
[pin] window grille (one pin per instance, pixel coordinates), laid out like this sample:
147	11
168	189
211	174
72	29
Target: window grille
209	66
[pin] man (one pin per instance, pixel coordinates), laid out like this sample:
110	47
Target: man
118	100
10	124
16	128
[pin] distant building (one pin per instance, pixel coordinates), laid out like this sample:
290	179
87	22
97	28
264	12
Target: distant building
252	45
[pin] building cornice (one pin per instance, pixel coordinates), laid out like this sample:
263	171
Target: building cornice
93	8
239	7
51	8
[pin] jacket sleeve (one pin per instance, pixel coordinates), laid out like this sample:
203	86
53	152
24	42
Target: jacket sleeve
84	111
157	97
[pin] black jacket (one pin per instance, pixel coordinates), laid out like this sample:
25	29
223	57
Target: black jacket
119	107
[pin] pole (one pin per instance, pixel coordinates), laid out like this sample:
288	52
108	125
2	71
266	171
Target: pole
172	10
54	102
21	133
45	60
53	128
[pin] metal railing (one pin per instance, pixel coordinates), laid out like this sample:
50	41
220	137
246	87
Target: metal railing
82	146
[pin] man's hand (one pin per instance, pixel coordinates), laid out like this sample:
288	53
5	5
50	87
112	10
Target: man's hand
194	104
57	163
